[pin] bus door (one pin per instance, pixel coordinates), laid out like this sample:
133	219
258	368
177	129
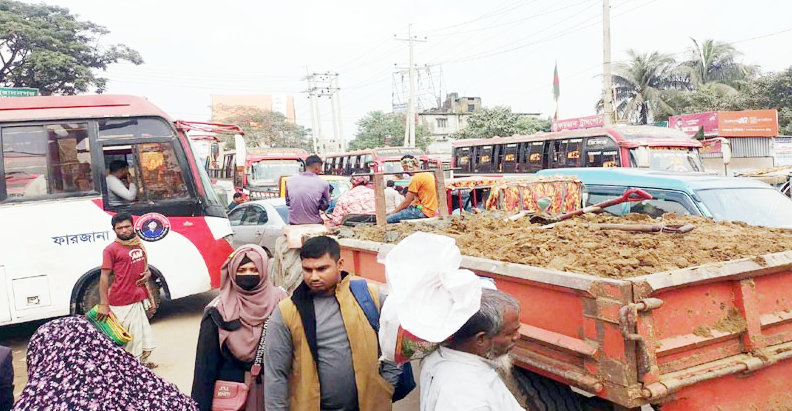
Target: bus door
508	155
601	151
157	166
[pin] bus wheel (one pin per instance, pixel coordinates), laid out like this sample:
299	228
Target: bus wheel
89	296
544	394
156	290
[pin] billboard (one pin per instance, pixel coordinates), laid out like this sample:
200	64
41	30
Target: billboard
690	124
578	123
749	123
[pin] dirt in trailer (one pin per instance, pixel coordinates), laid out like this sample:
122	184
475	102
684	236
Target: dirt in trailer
581	245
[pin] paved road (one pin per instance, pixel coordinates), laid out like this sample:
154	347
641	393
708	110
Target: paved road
176	332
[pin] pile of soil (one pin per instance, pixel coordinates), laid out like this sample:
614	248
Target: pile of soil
575	246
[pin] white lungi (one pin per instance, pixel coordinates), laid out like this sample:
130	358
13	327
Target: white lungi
133	318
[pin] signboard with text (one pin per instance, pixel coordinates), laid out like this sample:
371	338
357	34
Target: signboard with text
748	123
690	124
578	123
18	92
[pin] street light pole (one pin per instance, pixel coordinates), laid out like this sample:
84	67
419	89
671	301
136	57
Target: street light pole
607	94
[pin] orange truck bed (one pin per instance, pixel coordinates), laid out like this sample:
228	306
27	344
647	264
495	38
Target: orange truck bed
711	337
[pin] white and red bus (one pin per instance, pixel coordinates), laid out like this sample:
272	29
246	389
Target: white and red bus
54	209
263	169
658	148
374	160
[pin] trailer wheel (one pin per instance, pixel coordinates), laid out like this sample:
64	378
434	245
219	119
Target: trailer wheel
544	394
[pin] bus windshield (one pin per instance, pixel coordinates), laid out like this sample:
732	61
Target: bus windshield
392	166
268	172
671	159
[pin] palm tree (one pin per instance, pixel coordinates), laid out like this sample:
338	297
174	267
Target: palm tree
642	86
713	62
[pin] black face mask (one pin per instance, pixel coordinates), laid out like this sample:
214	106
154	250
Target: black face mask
247	282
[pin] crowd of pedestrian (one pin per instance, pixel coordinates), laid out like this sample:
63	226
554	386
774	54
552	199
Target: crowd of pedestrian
261	347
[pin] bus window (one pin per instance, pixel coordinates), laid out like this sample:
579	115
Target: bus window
508	156
601	152
462	159
43	160
368	162
483	162
574	148
153	167
134	127
533	156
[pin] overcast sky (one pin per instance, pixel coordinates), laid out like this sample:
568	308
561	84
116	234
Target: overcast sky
502	51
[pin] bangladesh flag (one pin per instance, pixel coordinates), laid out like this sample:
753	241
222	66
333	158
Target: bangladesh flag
556	88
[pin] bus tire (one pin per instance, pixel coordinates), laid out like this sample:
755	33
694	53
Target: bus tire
544	394
88	296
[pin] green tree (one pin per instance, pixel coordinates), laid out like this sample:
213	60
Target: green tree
714	63
46	47
644	85
380	129
264	128
500	121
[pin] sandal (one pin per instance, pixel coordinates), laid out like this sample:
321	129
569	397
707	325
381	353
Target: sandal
149	365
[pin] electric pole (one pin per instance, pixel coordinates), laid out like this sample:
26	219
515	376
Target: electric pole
409	127
320	85
607	94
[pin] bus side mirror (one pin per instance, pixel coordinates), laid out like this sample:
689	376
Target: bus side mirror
726	151
643	157
241	150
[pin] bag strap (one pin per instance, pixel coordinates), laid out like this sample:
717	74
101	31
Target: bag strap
362	294
255	370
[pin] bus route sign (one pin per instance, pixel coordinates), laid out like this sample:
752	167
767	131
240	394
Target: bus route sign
18	92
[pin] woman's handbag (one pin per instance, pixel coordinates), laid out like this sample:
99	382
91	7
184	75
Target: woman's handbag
109	326
231	395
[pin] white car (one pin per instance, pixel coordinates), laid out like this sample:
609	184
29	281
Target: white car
259	222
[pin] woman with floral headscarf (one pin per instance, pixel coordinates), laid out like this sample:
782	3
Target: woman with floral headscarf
360	200
232	325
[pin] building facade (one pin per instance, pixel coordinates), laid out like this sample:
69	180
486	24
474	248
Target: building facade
223	104
451	117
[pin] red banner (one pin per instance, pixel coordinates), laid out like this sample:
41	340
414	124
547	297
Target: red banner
690	124
711	146
578	123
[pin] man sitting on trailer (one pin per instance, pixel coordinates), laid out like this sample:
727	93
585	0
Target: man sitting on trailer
463	373
117	191
421	199
360	200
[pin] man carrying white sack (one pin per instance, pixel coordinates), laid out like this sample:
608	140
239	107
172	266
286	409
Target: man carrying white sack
463	373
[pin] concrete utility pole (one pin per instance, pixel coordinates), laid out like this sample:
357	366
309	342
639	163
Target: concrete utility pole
409	127
319	85
607	94
315	133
